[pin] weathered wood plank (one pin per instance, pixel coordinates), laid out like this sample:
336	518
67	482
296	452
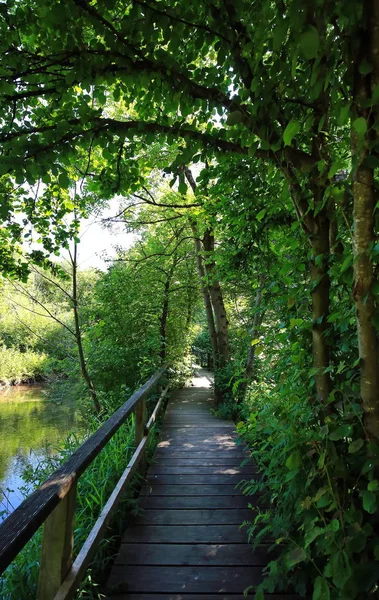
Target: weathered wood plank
201	470
165	449
188	502
186	479
195	517
167	579
193	554
185	534
190	490
188	461
186	596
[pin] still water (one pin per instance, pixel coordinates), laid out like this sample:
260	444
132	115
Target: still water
30	425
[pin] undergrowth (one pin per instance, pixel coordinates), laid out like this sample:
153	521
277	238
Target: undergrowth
319	478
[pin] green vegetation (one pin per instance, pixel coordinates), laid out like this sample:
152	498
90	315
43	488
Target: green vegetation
242	142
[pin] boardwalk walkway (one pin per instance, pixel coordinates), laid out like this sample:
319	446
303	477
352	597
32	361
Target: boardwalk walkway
187	543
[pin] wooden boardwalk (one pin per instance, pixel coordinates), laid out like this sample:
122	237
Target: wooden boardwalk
187	543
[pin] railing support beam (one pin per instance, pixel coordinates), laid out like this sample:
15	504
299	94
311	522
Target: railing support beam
57	547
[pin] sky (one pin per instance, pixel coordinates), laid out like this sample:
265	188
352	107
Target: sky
97	244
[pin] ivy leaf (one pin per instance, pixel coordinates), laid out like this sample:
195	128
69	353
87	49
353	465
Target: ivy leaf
310	42
290	131
321	589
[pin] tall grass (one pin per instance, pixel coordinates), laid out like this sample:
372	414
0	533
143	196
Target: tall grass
20	580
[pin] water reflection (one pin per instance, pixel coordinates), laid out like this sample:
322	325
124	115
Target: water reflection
29	423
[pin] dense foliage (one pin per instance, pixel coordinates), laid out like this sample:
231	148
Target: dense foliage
263	119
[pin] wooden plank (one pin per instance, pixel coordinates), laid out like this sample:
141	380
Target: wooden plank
189	461
188	502
163	579
195	517
232	452
180	596
190	490
201	470
167	479
23	522
155	413
185	534
193	554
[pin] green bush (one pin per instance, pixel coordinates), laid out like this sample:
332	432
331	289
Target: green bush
16	366
320	483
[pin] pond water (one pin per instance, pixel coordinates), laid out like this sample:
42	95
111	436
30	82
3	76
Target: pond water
31	424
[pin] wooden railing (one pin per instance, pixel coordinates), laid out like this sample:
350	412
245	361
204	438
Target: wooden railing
54	503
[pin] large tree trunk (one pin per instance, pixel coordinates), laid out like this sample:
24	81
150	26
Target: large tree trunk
78	333
364	197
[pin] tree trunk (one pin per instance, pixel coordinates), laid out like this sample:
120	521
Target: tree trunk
78	334
317	229
364	198
205	293
201	270
217	301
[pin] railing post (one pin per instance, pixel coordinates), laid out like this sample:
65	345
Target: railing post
57	546
140	420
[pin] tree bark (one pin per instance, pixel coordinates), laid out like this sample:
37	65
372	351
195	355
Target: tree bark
317	229
205	293
364	198
217	301
78	334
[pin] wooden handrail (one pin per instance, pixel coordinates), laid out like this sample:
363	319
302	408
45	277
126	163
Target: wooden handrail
21	525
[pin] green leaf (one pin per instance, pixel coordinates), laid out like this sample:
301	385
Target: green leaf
312	535
182	188
369	501
295	556
64	180
360	126
373	486
334	525
234	118
338	568
294	460
321	589
355	446
290	131
261	214
310	42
